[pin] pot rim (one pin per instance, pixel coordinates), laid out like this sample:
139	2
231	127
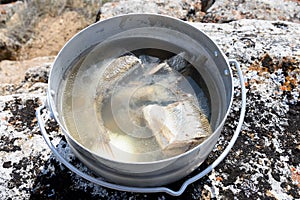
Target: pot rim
52	106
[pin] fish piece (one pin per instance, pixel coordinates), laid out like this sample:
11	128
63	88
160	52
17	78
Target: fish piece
116	70
178	62
149	60
160	84
127	70
162	67
177	127
154	93
119	67
127	101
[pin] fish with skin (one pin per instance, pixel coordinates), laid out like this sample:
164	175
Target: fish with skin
183	125
117	69
178	126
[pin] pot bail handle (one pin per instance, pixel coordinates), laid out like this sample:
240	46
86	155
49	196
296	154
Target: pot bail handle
189	181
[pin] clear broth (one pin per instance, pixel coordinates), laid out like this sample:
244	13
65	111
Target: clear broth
136	143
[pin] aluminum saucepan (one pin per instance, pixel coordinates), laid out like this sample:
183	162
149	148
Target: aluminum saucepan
146	31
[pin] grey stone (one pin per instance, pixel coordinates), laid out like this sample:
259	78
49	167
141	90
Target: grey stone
264	163
8	46
176	8
226	10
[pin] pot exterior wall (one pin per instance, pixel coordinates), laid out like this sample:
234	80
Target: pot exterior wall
159	32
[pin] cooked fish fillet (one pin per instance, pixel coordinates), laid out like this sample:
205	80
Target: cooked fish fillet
177	127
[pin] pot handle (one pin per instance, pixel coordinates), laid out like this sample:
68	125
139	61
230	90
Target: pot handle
103	183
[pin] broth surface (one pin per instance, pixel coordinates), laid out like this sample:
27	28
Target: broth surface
120	109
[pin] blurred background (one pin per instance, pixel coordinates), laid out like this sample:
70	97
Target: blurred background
34	28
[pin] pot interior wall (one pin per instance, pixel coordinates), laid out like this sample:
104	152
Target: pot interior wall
202	57
157	35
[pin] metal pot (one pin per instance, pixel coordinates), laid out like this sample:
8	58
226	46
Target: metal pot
138	31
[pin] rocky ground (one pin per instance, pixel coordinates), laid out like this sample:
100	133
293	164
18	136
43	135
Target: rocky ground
265	161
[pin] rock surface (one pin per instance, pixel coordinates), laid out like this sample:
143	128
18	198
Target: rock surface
48	38
33	29
225	11
7	10
23	42
8	46
175	8
222	11
264	162
12	72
